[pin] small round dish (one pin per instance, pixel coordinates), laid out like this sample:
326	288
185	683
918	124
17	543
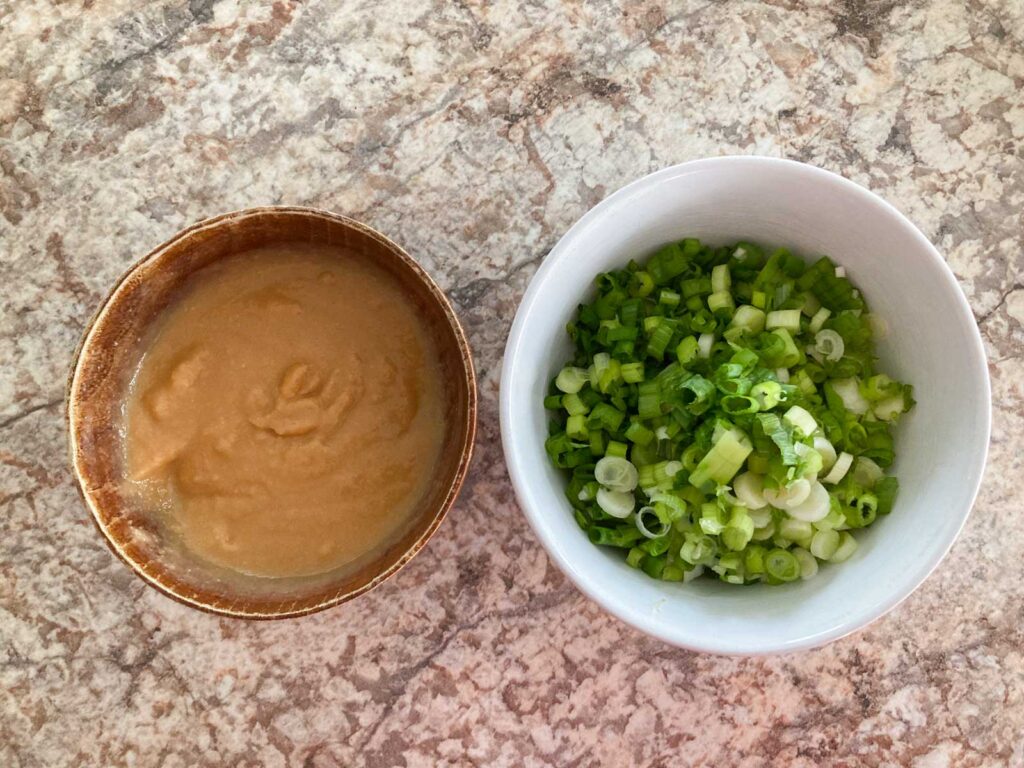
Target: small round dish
110	350
933	343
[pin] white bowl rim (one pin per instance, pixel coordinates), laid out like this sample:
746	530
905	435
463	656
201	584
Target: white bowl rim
676	635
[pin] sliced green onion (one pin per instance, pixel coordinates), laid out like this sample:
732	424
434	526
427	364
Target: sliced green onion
721	302
697	549
801	420
701	414
659	341
616	503
649	525
615	448
862	511
808	564
788	496
723	461
826	450
574	405
553	402
749	489
639	434
772	427
767	393
848	391
782	565
613	537
796	530
571	380
824	544
786	319
866	473
819	319
739	531
811	304
886	491
686	351
605	416
616	473
814	507
704	343
668	298
632	373
721	280
839	469
712	521
576	428
847	546
749	318
890	408
829	345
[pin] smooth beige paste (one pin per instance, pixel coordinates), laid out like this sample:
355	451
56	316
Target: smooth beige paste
287	416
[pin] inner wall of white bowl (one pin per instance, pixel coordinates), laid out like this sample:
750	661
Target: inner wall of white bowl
930	344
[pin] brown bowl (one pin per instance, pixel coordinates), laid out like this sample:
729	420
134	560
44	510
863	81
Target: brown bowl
110	350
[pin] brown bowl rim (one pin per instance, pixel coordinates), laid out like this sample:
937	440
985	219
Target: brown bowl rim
466	450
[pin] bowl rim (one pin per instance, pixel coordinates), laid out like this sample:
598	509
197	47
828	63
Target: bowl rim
465	449
514	448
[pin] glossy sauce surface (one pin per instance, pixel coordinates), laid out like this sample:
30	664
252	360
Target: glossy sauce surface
287	415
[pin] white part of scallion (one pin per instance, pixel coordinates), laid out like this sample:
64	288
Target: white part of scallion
847	546
879	328
788	496
782	374
889	408
827	451
789	319
761	517
749	489
819	319
802	420
616	473
749	318
616	503
641	523
824	544
810	460
808	563
840	271
866	473
570	380
839	469
693	573
848	391
721	280
815	507
673	468
829	345
704	343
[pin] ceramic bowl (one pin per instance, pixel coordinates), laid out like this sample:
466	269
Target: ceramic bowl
110	351
933	342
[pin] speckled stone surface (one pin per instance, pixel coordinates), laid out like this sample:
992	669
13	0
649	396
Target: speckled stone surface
476	133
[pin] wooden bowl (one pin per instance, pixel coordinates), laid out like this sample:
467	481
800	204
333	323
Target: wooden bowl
110	351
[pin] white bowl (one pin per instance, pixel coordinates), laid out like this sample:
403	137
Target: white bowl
933	343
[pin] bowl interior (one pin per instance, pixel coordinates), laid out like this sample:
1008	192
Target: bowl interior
932	343
111	350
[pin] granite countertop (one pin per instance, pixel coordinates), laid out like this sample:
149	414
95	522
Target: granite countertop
476	133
